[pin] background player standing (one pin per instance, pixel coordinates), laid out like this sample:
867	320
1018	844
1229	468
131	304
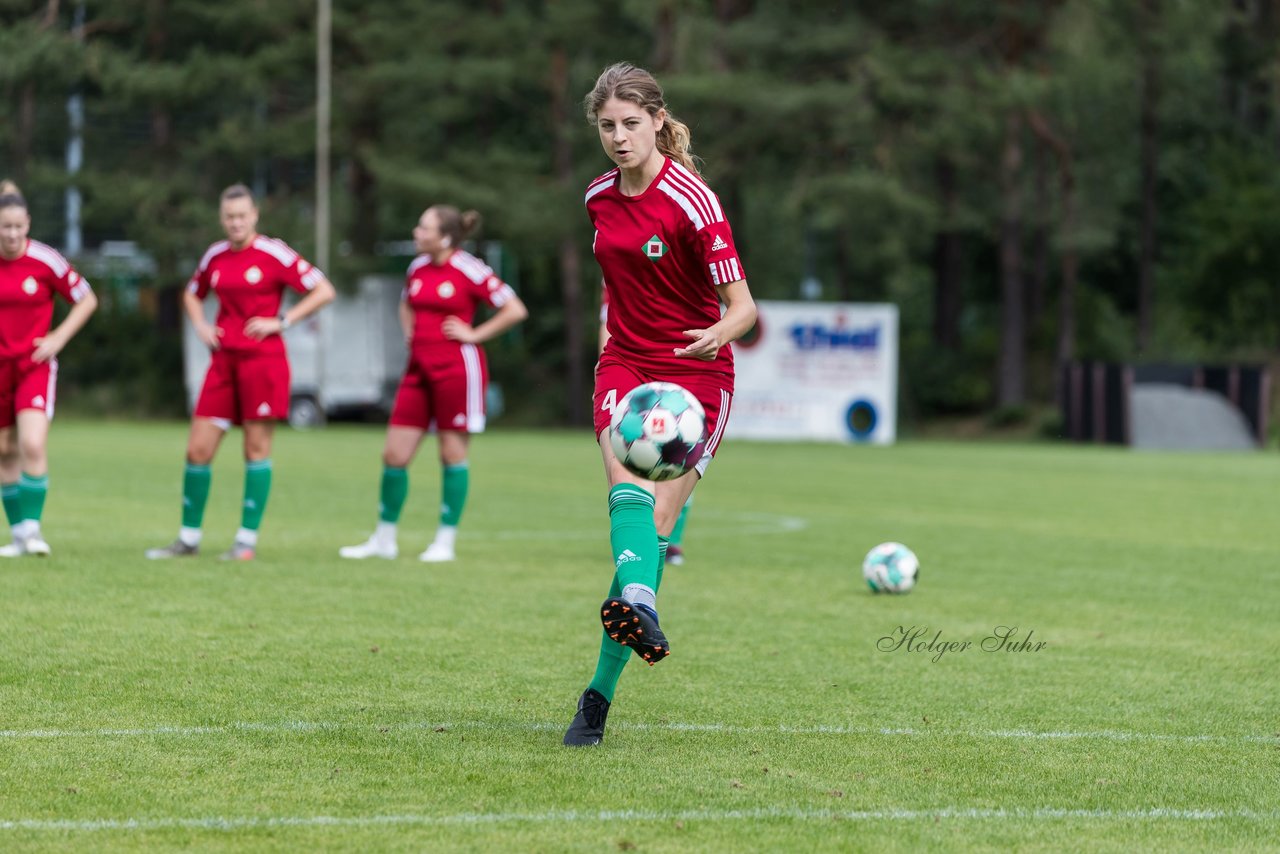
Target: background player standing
248	378
31	274
445	380
669	262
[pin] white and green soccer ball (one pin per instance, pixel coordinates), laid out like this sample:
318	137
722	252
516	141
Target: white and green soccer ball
658	431
891	568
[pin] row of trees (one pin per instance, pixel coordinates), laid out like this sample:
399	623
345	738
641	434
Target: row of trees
1030	180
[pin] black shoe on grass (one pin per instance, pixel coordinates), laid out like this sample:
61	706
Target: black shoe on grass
635	626
587	728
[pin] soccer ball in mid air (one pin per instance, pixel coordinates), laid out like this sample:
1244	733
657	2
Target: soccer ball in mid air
658	431
891	568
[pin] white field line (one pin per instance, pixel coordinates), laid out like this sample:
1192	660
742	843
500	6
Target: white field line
444	726
710	525
231	823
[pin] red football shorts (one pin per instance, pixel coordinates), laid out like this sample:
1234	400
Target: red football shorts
25	384
614	378
242	387
444	389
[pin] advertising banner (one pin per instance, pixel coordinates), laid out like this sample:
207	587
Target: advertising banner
818	371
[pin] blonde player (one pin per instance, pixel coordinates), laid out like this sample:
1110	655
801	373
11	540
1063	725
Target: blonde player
248	378
669	263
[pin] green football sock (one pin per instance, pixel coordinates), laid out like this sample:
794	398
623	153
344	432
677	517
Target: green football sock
663	545
12	502
613	655
195	493
453	493
633	536
257	488
31	494
395	488
677	533
613	658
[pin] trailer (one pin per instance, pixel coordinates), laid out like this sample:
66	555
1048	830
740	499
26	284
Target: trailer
345	359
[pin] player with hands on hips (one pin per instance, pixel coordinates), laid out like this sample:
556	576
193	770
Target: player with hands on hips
31	276
445	380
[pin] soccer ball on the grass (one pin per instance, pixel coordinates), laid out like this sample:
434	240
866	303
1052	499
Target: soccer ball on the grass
891	568
658	431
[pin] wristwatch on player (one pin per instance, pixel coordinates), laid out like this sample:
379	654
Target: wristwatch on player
284	321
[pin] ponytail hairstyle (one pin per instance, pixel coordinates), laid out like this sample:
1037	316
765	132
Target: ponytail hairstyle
11	196
454	224
626	82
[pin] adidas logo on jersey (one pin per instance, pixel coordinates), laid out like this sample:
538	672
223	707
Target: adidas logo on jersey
627	556
719	244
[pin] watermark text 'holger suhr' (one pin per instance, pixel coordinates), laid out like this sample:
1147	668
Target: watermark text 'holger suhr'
919	639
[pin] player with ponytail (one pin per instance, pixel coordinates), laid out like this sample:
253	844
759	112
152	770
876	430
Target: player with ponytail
31	276
444	383
669	262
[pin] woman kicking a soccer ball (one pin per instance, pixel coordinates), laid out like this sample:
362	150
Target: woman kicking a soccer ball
669	262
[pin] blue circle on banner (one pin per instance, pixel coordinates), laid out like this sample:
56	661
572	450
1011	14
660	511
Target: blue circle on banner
861	419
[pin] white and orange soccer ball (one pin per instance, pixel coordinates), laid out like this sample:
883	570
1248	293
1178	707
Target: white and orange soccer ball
658	431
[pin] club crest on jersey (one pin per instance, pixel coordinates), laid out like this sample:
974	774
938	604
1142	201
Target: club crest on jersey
654	248
29	285
253	275
445	290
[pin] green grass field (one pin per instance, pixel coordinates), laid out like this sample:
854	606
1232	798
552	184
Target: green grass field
302	702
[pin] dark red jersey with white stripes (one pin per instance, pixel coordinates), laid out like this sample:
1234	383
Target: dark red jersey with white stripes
456	287
250	282
28	284
663	253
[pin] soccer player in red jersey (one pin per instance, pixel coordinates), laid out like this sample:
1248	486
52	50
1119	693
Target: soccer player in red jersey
248	378
31	275
674	552
669	263
444	383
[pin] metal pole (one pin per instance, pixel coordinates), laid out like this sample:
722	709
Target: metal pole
72	242
324	70
324	74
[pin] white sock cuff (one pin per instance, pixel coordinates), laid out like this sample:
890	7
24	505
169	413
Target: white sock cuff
640	594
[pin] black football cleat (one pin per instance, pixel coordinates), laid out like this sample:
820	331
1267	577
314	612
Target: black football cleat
635	626
587	728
